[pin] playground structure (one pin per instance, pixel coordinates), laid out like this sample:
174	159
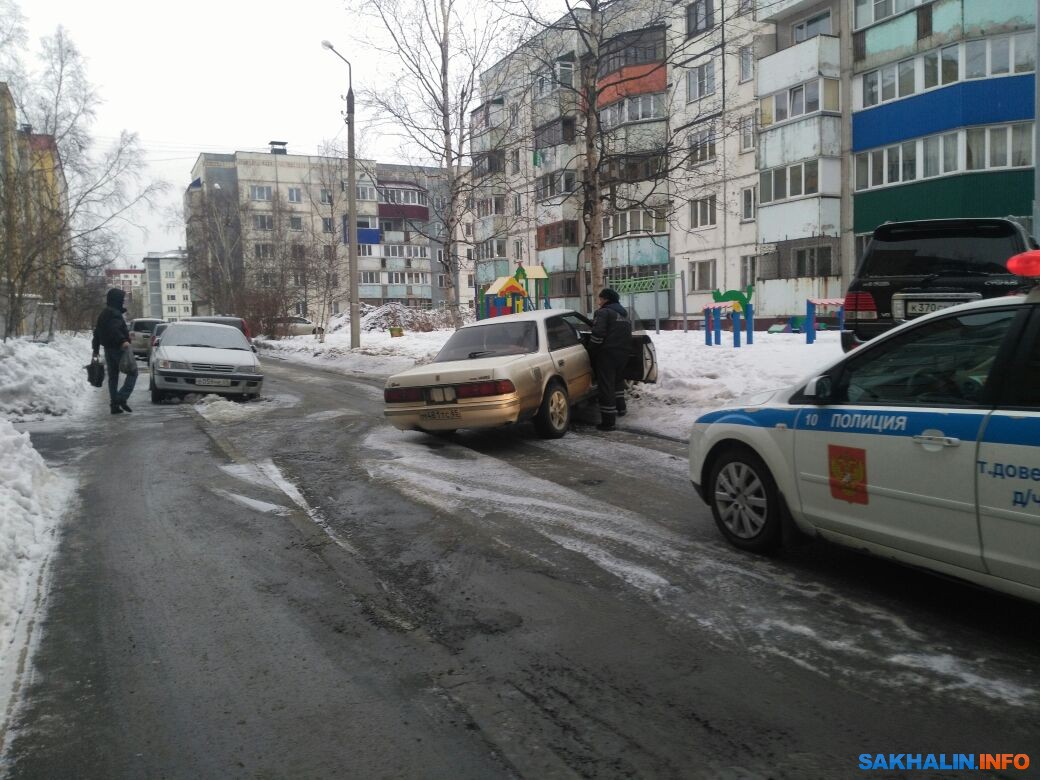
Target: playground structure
737	303
525	290
811	307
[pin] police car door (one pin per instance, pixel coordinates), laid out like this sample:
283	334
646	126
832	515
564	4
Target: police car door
1008	470
891	459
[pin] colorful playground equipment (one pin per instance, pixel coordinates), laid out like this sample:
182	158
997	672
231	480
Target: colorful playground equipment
738	305
525	290
811	306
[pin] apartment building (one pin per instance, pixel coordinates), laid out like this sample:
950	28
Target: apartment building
714	235
803	141
286	226
132	282
943	110
166	286
751	143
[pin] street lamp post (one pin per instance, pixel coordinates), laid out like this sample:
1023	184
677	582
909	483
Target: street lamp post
352	259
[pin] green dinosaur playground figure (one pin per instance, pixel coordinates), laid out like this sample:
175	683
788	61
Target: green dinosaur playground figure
739	299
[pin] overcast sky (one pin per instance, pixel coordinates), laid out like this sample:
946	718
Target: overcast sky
216	76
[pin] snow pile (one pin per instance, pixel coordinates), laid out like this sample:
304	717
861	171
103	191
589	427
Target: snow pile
218	409
382	318
32	498
39	379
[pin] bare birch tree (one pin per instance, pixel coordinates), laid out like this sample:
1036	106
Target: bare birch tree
64	198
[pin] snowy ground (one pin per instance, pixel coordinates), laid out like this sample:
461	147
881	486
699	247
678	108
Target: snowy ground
693	377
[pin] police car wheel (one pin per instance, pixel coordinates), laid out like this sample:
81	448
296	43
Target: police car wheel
745	501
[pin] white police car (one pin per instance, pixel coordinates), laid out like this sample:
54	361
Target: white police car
922	446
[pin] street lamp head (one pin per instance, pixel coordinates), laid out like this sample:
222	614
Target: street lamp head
327	45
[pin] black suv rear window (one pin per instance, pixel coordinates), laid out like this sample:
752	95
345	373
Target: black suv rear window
904	250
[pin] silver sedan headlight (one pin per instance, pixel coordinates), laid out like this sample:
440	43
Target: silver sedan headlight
252	368
173	364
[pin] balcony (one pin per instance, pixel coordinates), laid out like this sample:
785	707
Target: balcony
801	218
402	211
819	56
778	10
404	237
641	136
636	250
642	79
817	135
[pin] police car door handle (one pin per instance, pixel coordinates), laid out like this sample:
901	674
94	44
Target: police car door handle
942	441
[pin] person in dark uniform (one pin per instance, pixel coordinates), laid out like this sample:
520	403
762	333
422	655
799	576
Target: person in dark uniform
112	333
610	346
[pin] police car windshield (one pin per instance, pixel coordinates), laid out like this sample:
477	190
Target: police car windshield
492	340
943	251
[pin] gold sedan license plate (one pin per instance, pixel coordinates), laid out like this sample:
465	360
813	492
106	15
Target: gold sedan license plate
440	414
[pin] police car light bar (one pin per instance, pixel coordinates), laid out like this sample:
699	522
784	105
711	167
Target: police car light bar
1026	264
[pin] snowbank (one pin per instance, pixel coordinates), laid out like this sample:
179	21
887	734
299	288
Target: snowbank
32	499
40	379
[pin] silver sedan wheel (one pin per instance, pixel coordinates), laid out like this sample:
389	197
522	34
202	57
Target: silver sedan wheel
741	500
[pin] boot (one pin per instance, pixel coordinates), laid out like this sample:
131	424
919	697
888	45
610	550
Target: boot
115	407
607	422
124	406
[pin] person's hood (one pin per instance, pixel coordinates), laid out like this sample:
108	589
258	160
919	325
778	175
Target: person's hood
618	308
114	298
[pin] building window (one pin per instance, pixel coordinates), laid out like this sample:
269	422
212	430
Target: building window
801	100
259	192
702	275
171	285
702	212
700	81
263	222
553	184
747	63
169	274
442	281
994	147
514	157
518	249
295	223
700	17
747	133
789	181
870	11
748	203
469	280
811	27
702	145
326	197
745	7
635	221
517	204
369	277
812	261
295	195
171	297
748	265
632	110
263	251
326	225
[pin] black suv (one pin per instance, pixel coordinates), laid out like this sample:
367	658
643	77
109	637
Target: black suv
915	268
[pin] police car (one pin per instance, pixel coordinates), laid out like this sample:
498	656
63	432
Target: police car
922	446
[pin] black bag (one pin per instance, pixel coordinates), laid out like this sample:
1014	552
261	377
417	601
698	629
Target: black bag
95	372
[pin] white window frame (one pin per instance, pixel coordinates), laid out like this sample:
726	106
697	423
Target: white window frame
295	195
699	269
746	56
704	212
747	133
749	203
700	81
703	145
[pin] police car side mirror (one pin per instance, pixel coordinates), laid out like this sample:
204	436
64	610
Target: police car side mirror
819	388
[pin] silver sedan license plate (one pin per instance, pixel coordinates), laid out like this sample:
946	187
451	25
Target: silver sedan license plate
440	414
213	382
927	307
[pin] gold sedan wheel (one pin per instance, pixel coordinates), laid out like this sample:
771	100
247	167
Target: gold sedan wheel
554	415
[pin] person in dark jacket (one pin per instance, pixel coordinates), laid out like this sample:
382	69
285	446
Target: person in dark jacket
112	333
610	346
